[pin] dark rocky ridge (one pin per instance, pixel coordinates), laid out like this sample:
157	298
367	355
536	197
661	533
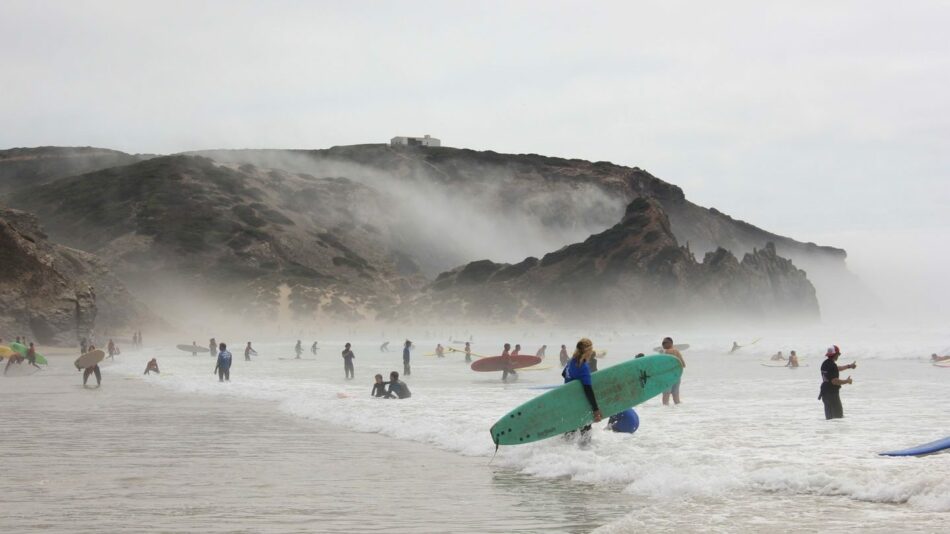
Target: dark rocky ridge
26	167
634	271
55	295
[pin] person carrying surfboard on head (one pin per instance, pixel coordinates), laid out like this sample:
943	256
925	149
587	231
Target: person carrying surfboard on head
577	368
405	358
668	348
152	367
830	392
223	366
468	351
348	362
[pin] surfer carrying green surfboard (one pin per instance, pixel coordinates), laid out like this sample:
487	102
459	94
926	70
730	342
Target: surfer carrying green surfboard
577	368
668	348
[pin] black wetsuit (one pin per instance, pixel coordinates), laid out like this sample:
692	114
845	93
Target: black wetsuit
830	394
406	370
398	389
92	370
348	363
379	389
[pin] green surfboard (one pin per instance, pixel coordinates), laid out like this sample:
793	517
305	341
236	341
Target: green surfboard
566	408
21	348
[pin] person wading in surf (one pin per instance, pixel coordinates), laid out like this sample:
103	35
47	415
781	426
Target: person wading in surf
506	355
674	390
223	366
406	370
577	369
348	356
830	393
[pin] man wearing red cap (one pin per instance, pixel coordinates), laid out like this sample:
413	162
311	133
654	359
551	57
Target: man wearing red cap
830	383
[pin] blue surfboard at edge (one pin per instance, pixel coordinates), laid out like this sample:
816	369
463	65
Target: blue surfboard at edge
920	450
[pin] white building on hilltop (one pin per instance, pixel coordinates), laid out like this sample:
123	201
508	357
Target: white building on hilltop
415	141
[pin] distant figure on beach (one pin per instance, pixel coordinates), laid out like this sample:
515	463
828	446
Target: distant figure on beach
439	351
735	347
506	355
152	367
313	348
384	347
830	392
406	370
31	356
83	345
674	390
792	360
194	344
379	387
397	388
248	351
213	347
111	350
298	349
468	351
577	369
348	362
778	356
563	356
223	366
541	351
935	358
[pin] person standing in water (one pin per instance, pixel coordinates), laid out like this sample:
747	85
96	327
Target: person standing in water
830	392
564	356
439	351
313	348
577	369
348	362
223	366
674	390
212	347
735	347
298	349
468	352
406	370
506	355
110	348
152	367
248	351
541	351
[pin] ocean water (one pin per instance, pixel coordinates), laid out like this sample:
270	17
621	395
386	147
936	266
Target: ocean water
748	449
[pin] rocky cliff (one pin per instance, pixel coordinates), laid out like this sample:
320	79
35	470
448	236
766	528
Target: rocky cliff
53	294
633	272
27	167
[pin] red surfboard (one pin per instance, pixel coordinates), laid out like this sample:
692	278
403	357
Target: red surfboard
496	363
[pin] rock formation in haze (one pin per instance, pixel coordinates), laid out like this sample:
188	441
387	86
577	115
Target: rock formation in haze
53	294
632	272
26	167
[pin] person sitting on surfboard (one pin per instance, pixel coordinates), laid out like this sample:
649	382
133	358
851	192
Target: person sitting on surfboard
674	390
152	367
379	387
468	351
577	369
792	360
506	359
397	388
778	356
935	358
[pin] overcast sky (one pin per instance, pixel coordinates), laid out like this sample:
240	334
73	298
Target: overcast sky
825	121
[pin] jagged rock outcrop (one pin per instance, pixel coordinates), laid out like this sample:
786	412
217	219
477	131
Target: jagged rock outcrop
53	294
633	272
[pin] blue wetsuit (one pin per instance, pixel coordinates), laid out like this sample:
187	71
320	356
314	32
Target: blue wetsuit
224	366
577	370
